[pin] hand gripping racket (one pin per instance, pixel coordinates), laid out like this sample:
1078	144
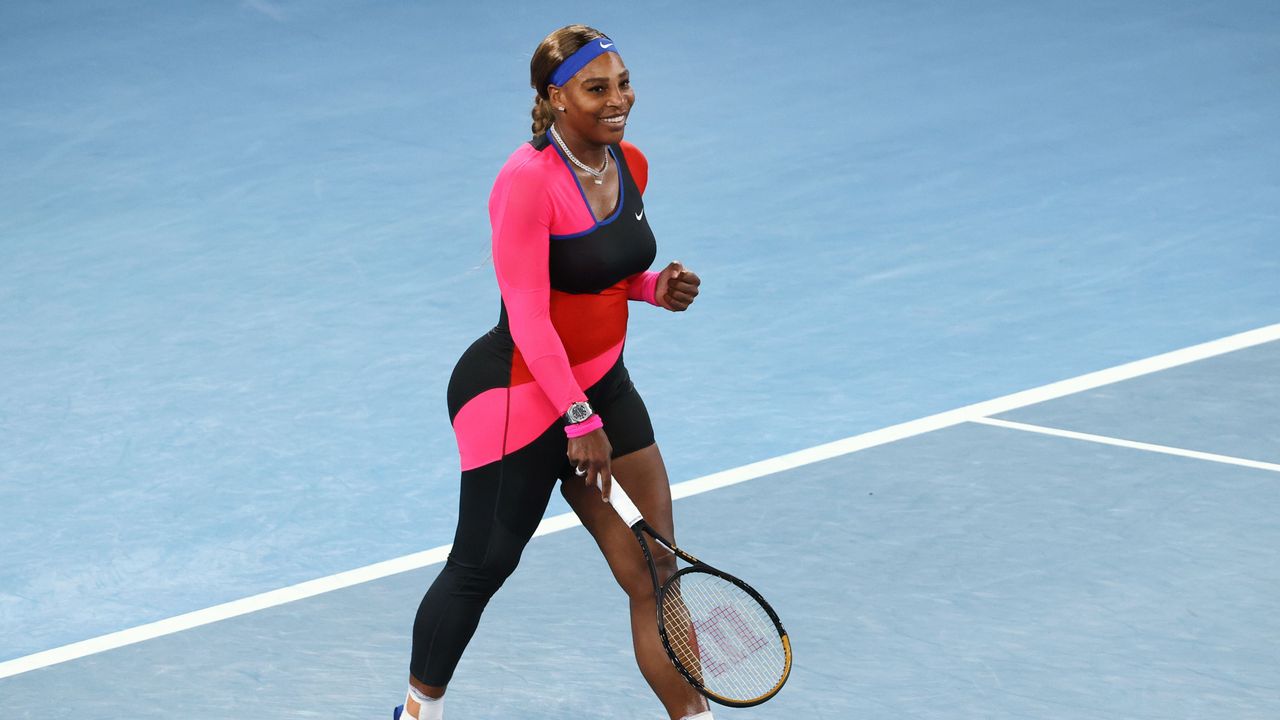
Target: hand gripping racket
719	632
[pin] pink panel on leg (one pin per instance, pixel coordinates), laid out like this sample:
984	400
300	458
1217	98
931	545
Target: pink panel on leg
480	424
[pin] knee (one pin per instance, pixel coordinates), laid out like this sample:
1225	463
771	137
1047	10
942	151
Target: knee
665	563
666	566
483	580
637	582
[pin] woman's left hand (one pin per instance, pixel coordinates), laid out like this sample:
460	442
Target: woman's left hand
677	287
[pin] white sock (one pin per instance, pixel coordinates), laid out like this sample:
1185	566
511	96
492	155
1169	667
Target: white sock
704	715
429	708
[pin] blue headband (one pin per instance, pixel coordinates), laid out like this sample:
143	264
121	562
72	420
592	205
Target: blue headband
580	59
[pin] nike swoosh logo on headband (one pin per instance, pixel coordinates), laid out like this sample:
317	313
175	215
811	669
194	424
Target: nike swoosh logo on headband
604	46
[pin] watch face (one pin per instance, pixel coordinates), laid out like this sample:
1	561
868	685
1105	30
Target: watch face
579	412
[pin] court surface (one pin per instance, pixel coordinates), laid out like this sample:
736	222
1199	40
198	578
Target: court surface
242	245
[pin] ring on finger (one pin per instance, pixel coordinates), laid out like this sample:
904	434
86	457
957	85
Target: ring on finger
580	471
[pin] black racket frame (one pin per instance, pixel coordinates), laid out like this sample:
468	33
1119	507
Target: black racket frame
642	528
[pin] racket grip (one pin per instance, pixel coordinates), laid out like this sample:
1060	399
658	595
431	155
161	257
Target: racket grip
622	505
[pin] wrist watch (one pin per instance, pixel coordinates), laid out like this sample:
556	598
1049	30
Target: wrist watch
578	412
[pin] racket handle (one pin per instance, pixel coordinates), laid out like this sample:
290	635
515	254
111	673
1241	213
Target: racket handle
622	504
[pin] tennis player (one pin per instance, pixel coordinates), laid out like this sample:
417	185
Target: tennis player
544	398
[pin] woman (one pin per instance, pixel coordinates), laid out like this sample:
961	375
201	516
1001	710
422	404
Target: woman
544	396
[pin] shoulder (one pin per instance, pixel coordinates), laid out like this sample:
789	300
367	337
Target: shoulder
635	158
527	160
525	171
637	163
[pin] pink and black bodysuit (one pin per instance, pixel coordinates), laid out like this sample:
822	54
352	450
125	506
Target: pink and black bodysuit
565	278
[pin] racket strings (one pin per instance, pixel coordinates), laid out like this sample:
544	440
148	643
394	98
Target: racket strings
722	647
722	636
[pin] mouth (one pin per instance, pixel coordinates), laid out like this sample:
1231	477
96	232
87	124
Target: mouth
615	120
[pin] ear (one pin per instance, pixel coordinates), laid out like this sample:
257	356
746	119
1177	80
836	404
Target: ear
556	95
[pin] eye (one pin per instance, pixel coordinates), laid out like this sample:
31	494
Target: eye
625	84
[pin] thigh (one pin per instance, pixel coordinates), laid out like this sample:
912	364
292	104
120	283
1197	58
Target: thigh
501	504
644	476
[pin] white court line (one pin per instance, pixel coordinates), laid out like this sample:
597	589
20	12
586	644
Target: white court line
696	486
1149	447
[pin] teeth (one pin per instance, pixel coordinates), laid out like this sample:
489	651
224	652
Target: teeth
617	119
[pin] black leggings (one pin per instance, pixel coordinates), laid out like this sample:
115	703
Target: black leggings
500	507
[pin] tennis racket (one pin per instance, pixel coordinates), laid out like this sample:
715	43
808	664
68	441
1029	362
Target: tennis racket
718	631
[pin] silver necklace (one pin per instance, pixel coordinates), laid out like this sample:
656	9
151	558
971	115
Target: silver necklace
598	175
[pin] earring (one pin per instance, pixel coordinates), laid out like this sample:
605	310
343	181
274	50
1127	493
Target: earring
561	109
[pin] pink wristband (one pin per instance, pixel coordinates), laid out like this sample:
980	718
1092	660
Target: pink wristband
649	291
585	427
644	287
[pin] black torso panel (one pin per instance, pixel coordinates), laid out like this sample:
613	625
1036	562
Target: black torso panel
613	249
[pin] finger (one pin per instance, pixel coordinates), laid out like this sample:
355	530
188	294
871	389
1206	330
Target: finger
681	296
691	277
607	474
593	472
606	487
684	286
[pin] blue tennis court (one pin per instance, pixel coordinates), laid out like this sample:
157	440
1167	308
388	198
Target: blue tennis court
980	392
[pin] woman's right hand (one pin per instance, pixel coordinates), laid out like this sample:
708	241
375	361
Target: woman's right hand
589	456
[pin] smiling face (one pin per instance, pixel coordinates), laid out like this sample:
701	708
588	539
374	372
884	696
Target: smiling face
596	101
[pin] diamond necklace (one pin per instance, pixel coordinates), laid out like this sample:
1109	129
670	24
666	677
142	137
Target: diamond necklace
598	175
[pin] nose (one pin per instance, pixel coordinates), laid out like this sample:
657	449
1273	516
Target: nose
616	98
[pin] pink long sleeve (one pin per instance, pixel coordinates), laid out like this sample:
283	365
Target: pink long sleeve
643	286
520	214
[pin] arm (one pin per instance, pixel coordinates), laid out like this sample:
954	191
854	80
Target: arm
644	286
521	217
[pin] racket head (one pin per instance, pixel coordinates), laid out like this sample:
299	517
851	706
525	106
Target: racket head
723	637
